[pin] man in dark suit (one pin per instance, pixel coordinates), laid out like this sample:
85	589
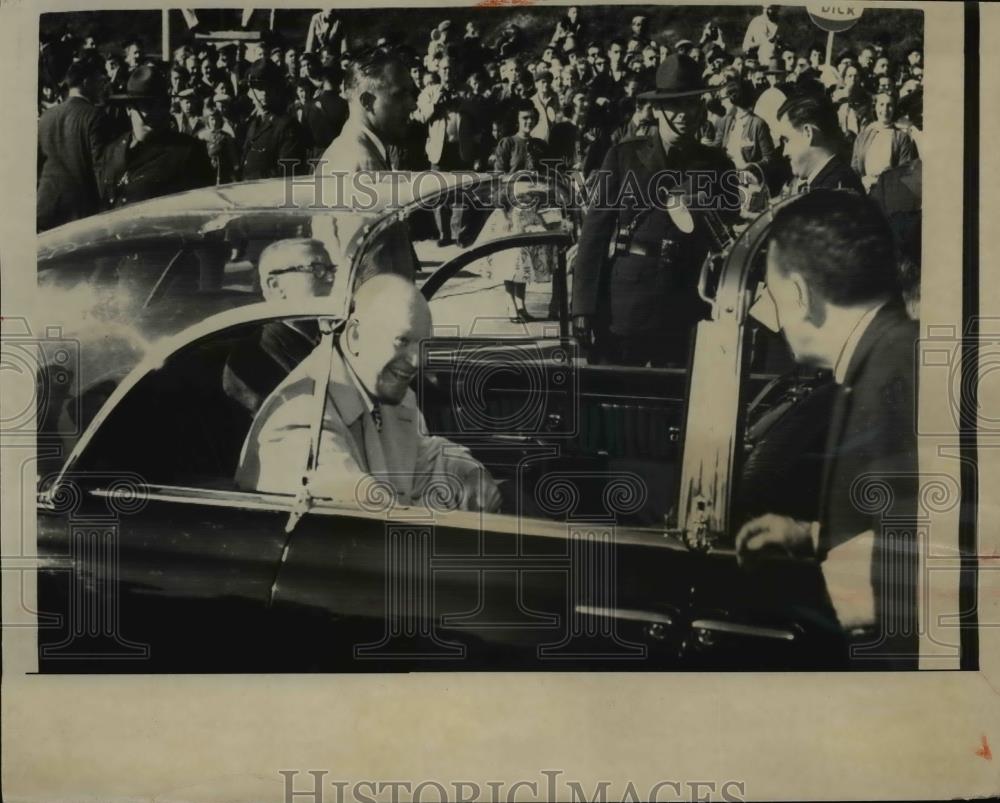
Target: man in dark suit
636	269
71	136
289	270
833	283
809	135
275	144
151	159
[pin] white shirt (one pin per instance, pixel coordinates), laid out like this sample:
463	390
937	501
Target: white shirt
878	157
851	344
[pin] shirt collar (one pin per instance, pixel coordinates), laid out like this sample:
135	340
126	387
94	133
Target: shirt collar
374	138
851	344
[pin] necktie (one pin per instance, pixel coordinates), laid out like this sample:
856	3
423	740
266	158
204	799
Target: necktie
377	416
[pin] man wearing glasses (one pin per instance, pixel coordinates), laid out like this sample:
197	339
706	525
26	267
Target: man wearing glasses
152	159
289	270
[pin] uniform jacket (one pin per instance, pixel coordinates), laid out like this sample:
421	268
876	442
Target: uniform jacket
274	454
165	162
268	141
70	140
652	293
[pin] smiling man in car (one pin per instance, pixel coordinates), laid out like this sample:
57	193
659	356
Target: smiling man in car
371	426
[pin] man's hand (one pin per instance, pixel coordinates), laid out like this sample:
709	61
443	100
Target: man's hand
583	330
783	534
480	492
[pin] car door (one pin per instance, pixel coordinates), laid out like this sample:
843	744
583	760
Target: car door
151	558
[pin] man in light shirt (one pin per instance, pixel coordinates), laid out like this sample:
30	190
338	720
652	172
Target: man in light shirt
834	288
762	33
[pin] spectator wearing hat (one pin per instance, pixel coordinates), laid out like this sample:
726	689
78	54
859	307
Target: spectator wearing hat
546	103
274	144
639	306
71	137
152	159
762	33
743	135
188	119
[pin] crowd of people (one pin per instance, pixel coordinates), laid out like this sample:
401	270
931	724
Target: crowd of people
506	106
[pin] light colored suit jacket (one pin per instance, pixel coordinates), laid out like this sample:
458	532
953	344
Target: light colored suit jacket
352	452
352	152
437	123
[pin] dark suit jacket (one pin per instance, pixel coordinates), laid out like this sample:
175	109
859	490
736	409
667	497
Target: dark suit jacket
837	174
71	136
253	370
326	118
269	141
165	162
870	480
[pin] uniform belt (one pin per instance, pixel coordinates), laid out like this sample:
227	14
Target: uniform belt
647	248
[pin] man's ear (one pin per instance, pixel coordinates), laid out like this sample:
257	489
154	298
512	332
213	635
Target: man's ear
803	296
367	100
352	337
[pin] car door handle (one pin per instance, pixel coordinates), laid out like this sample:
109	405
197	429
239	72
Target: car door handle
710	627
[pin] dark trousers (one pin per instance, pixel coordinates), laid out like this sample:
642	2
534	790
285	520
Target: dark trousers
450	216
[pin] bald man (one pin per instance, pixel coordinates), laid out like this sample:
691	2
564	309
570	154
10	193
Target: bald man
371	425
289	270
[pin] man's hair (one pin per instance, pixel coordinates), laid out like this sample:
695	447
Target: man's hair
367	69
840	243
809	108
524	106
80	71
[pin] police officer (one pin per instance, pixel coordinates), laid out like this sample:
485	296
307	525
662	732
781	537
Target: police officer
635	300
152	158
275	144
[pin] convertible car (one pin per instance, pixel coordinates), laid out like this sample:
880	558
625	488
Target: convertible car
622	487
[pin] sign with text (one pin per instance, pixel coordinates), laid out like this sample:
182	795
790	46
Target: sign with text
834	17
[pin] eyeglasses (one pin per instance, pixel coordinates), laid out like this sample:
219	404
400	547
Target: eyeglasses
320	270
